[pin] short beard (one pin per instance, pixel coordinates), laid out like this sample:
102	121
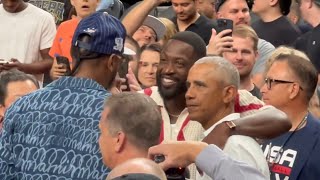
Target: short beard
180	88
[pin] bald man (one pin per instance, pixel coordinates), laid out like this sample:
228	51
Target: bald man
140	168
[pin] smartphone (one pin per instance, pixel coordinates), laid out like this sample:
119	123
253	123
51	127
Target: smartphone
123	71
65	61
223	24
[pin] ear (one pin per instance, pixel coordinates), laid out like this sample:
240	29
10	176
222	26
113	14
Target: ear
120	142
256	54
219	15
229	94
2	110
72	2
113	63
309	4
273	2
294	90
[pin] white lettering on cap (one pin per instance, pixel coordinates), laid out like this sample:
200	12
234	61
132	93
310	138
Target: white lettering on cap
118	44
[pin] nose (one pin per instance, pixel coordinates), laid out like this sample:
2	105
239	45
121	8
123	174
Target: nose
168	68
149	69
238	55
179	9
264	88
241	15
147	35
190	93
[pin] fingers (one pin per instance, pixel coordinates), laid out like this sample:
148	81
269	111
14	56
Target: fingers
220	43
213	34
132	81
224	33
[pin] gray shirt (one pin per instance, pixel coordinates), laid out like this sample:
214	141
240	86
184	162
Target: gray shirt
219	166
265	49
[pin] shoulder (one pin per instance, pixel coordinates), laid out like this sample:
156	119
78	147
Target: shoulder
246	103
39	11
154	94
66	25
263	44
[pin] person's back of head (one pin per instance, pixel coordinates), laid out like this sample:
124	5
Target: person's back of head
97	46
138	168
133	121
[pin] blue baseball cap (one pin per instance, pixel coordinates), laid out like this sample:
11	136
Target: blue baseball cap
107	34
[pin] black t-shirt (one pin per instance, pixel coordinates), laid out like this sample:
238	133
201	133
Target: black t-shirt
256	92
278	32
310	44
203	27
60	9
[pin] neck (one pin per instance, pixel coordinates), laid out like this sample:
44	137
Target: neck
130	153
90	75
22	7
270	15
223	112
175	106
182	25
246	83
314	22
296	115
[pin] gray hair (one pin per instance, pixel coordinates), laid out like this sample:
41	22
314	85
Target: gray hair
137	115
227	70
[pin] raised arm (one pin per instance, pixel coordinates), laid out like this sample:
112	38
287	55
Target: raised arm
134	19
208	158
266	123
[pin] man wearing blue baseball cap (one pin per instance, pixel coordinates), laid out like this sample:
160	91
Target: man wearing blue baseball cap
53	133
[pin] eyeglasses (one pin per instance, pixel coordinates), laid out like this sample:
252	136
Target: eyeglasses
269	81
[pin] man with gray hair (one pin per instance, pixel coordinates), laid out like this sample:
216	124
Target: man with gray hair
213	84
130	124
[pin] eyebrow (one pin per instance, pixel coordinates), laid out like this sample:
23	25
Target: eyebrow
201	83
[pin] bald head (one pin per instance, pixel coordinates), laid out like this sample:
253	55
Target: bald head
137	165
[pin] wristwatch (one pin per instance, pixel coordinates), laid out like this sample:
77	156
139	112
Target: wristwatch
231	124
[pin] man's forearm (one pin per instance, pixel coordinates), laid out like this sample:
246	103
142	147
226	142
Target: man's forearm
37	67
134	19
265	124
219	166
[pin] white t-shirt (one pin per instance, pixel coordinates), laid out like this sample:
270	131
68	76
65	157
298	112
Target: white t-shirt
24	34
241	148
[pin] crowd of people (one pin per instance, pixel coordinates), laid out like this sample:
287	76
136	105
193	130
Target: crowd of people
159	89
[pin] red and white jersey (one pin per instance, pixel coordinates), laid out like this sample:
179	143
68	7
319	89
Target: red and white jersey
186	129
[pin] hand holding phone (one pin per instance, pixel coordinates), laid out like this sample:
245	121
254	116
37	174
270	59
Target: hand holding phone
65	62
221	38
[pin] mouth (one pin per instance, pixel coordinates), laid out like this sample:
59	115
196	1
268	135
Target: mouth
85	7
242	22
239	66
191	107
168	82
